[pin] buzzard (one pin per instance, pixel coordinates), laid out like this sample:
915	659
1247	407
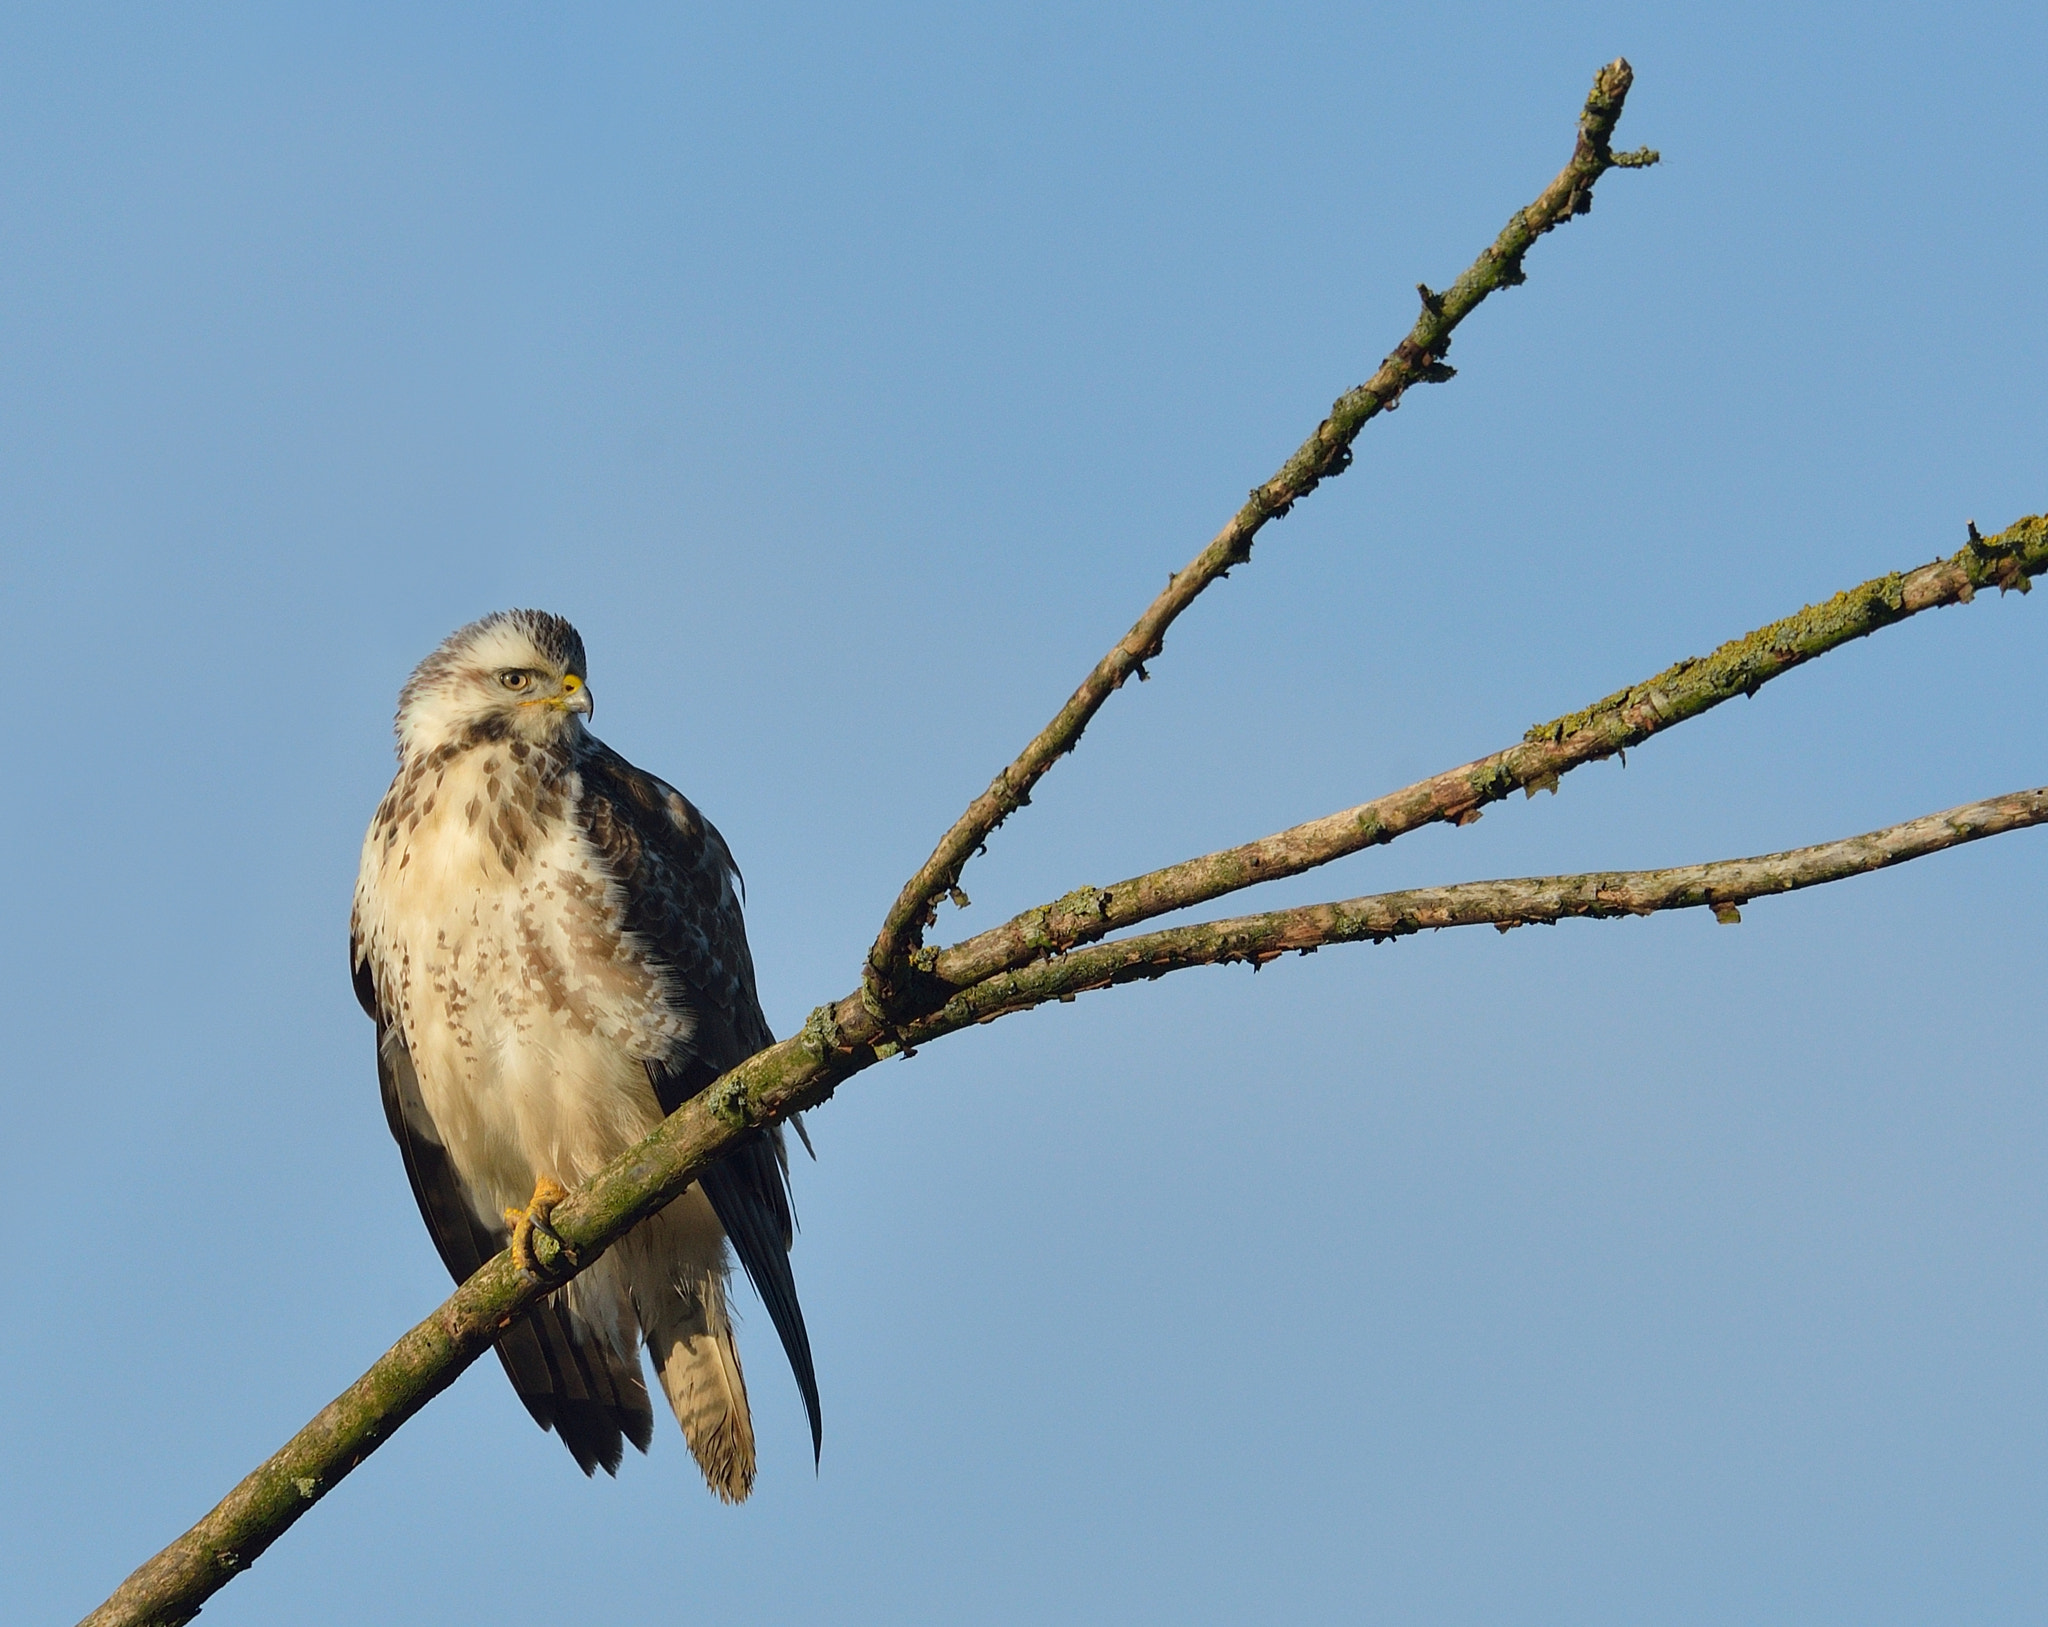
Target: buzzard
549	941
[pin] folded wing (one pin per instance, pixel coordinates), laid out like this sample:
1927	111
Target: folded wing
683	903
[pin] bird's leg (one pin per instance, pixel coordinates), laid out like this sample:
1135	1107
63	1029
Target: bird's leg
547	1192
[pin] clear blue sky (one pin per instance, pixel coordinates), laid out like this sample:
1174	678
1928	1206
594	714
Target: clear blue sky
851	381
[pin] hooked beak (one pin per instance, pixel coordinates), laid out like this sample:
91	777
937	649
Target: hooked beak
576	696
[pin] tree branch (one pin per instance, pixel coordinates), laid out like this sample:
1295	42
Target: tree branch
1721	887
841	1041
1418	359
1548	751
979	978
902	1001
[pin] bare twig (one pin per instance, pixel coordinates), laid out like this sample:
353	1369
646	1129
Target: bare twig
1549	750
1418	359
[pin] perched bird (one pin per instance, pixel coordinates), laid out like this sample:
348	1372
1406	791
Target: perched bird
550	943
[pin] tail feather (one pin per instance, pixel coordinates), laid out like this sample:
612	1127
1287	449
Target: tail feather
576	1385
673	1266
690	1339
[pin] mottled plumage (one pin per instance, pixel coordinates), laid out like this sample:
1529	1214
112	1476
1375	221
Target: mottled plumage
550	942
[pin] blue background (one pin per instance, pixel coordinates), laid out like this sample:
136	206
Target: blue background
852	381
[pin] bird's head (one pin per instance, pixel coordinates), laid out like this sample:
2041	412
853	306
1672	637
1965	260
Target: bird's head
518	674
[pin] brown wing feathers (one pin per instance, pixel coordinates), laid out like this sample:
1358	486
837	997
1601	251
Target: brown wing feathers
678	877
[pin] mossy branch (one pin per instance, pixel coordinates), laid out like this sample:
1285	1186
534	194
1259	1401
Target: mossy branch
1549	751
1417	359
842	1040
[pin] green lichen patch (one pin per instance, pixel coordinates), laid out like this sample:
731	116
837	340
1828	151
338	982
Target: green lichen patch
728	1102
821	1036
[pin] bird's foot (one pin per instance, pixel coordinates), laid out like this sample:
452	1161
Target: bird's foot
540	1208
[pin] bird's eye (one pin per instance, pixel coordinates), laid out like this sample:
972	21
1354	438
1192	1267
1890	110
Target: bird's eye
515	680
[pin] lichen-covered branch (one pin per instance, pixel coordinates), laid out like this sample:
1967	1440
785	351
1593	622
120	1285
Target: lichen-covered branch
1550	750
1418	359
991	974
170	1588
842	1040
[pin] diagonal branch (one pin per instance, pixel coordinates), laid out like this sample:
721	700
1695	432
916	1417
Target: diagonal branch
979	979
1682	691
842	1040
1418	359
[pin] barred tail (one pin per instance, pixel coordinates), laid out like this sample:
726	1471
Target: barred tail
692	1346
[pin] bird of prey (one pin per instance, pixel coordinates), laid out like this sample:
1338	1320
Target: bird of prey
549	941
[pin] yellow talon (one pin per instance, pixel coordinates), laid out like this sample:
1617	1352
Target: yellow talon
547	1192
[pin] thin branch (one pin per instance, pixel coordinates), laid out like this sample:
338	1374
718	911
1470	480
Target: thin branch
1418	359
1721	887
1550	750
844	1039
